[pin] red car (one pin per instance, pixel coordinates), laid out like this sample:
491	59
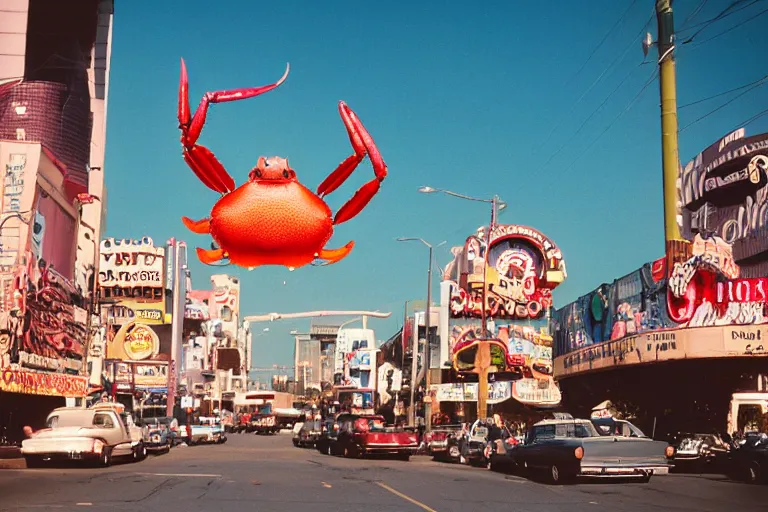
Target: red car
361	435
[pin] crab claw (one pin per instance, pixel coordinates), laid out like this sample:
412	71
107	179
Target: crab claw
359	201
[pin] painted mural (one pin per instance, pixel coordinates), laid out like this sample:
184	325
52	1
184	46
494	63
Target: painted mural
724	278
43	327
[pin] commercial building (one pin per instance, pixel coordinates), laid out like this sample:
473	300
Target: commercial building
142	290
669	346
216	344
54	79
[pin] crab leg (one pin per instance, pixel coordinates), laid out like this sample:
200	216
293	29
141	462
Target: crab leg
335	255
362	144
200	227
199	158
209	257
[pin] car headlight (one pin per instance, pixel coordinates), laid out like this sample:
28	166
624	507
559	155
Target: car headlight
98	446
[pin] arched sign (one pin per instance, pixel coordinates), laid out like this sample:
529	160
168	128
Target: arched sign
519	271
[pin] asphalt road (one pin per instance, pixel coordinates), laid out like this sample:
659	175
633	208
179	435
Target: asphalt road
251	472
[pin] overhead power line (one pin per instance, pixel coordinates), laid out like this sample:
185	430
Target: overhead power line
738	25
728	11
693	14
752	87
602	41
724	93
749	121
597	80
616	119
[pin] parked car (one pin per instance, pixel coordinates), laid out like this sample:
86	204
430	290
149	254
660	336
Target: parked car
326	442
749	463
97	434
309	433
567	448
158	435
616	427
443	442
361	435
701	450
472	444
206	432
295	432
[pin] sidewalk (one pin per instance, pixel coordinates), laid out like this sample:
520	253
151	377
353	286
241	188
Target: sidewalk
12	464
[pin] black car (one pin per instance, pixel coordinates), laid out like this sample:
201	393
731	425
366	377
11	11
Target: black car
749	462
329	433
564	449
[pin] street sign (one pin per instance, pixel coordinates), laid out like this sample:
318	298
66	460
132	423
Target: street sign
187	402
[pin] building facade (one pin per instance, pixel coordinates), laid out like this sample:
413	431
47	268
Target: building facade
54	78
671	345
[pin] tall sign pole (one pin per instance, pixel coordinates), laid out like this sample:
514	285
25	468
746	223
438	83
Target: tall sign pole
675	245
483	356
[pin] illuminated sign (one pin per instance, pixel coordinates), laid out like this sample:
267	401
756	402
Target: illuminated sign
49	384
518	273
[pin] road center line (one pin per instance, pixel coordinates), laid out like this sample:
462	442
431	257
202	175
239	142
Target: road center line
200	475
405	497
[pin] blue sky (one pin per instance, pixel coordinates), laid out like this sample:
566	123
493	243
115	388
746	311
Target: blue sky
478	99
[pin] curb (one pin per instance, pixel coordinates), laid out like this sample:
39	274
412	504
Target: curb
13	464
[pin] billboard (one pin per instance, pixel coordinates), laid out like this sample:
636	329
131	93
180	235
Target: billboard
516	268
518	273
132	281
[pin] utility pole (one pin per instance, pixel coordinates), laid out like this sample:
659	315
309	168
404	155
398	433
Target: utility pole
675	245
427	345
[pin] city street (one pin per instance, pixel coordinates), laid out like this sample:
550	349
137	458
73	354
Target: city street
269	474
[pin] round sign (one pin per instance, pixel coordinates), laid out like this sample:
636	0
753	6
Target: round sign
140	342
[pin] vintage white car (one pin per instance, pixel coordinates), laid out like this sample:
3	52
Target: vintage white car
96	434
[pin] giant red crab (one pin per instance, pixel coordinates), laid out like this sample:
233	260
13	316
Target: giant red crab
271	219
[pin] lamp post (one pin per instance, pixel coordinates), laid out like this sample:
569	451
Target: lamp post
482	359
427	347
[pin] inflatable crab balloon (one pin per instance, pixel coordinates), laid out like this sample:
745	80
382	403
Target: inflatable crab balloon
271	219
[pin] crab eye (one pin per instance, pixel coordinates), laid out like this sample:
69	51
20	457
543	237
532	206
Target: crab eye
286	174
257	173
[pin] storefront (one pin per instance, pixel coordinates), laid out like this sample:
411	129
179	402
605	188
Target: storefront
43	316
669	345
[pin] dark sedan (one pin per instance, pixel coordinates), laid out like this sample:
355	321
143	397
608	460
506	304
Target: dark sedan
749	462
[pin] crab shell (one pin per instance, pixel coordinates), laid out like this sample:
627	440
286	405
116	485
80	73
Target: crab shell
271	222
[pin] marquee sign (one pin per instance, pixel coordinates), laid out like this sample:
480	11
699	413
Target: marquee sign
518	273
49	384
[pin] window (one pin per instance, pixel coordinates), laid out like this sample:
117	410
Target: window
544	432
103	420
52	422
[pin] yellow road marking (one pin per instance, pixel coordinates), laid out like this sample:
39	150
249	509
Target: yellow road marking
406	498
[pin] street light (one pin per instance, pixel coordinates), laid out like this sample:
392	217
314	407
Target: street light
427	348
496	205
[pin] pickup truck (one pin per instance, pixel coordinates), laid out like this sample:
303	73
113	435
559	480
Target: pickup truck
96	434
208	431
568	448
361	435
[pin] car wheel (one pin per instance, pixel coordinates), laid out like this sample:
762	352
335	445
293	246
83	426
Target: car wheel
554	474
295	443
453	451
753	473
106	458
